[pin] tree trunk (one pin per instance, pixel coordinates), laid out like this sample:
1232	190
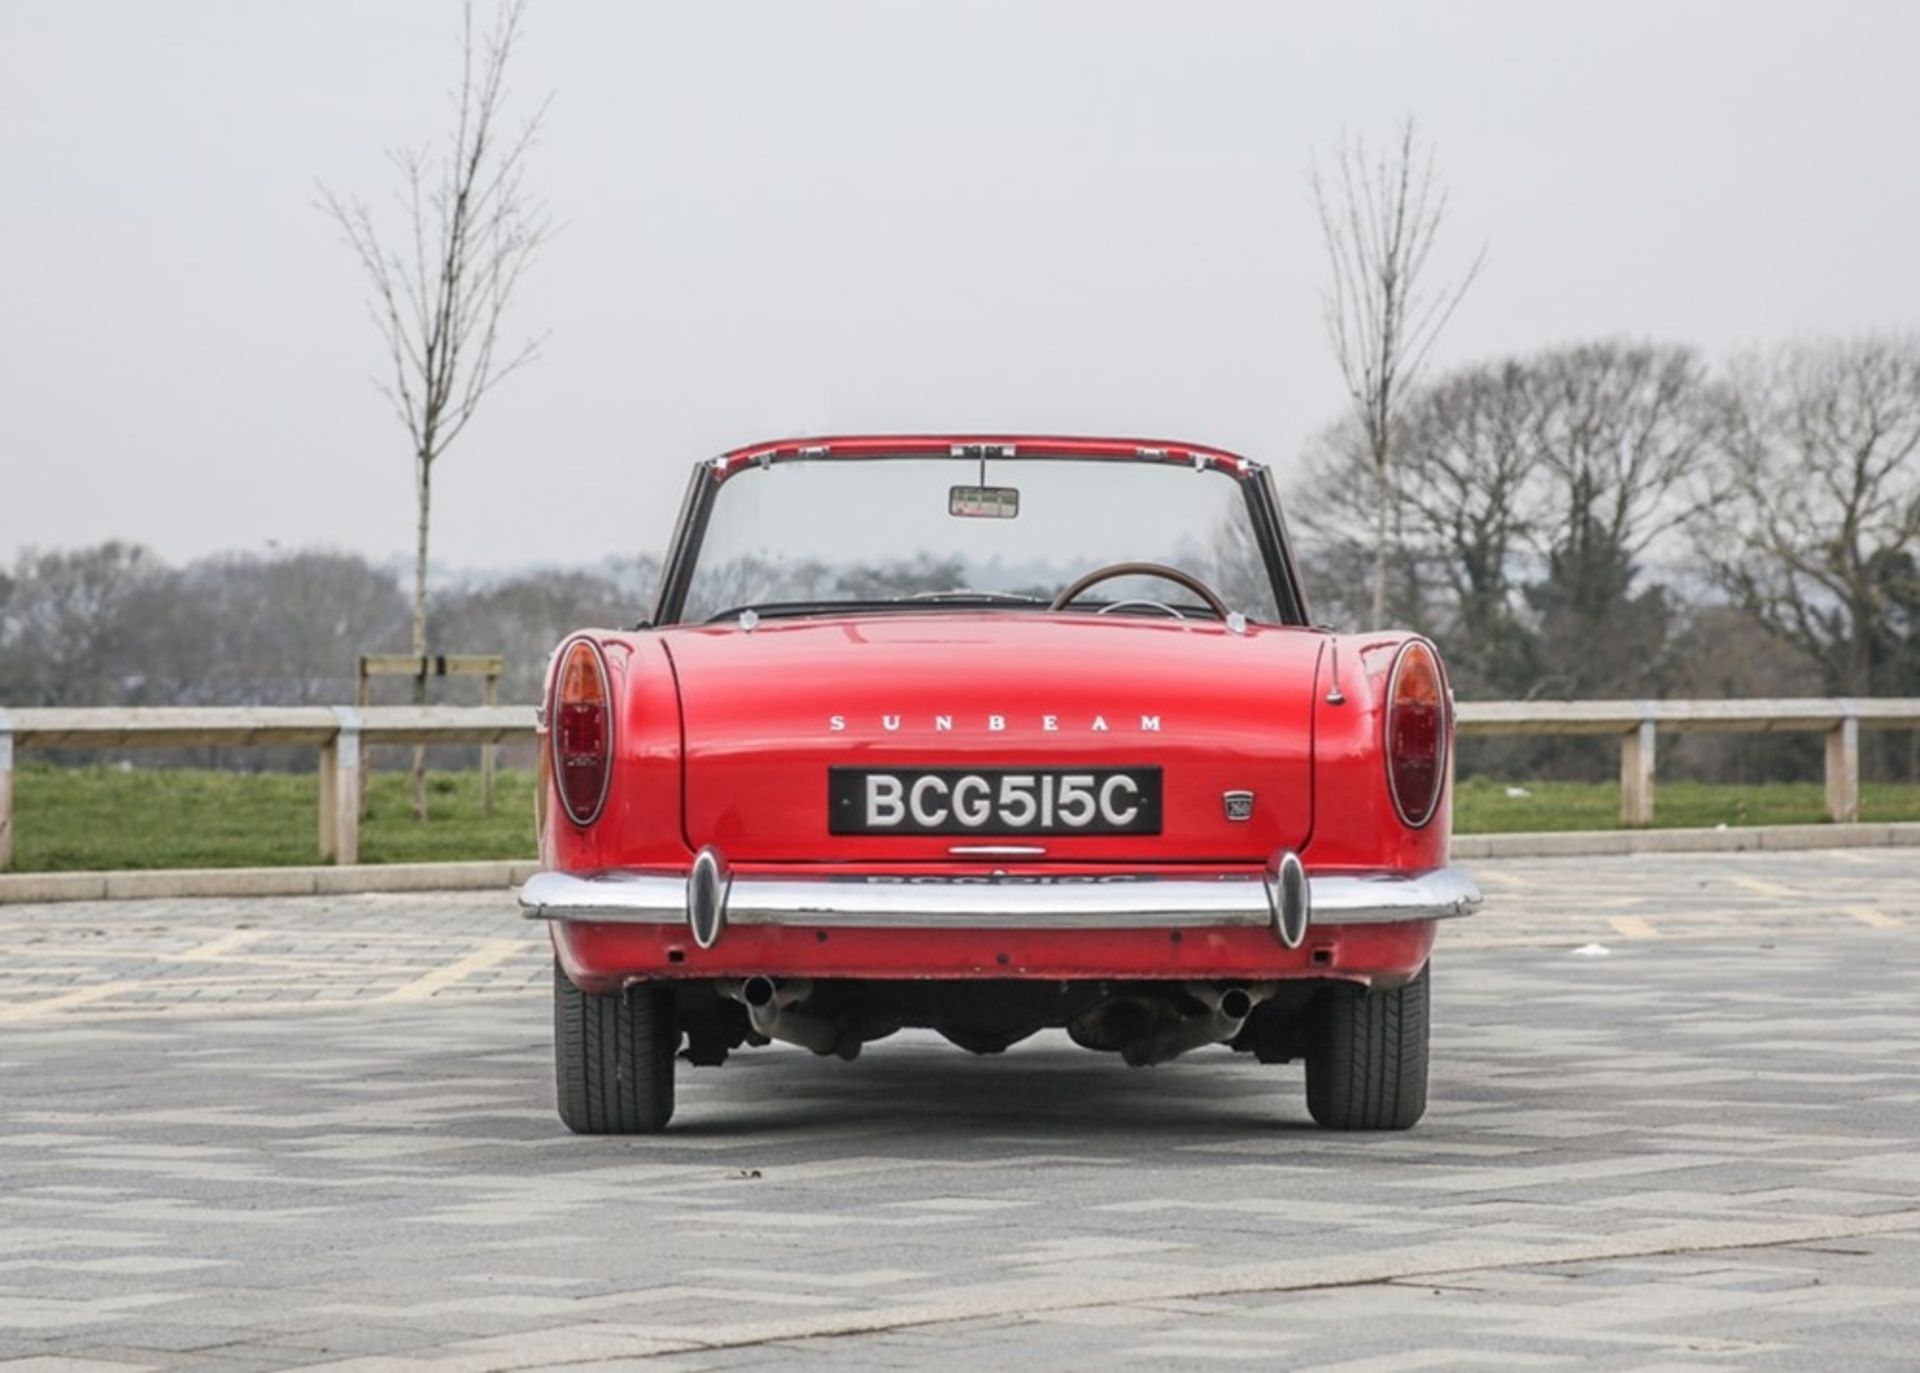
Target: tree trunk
424	468
1379	542
1860	622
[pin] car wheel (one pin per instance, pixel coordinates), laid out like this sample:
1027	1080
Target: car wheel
1367	1056
613	1058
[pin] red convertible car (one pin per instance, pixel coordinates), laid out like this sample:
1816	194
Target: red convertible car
989	736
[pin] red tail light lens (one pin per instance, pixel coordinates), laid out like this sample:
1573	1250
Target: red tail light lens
1416	733
582	731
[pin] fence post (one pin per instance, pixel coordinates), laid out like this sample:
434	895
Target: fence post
362	697
340	790
488	752
329	838
1843	766
6	791
1636	775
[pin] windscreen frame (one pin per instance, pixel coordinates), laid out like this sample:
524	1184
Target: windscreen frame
1254	479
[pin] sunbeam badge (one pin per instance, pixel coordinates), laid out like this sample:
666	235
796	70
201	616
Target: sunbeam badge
1239	804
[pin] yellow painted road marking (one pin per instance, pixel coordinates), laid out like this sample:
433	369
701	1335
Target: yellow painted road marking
216	948
1868	915
1633	927
80	996
189	1010
295	965
1763	888
489	954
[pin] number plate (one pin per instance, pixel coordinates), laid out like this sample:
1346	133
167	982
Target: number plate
993	801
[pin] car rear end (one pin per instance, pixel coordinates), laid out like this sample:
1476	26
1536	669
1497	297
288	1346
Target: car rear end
1158	836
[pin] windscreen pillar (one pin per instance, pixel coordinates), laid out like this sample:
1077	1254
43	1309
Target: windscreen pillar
1636	775
1843	766
340	790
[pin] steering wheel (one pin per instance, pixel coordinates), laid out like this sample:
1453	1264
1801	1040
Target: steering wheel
1187	580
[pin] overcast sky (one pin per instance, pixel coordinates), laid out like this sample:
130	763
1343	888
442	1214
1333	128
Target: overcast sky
790	217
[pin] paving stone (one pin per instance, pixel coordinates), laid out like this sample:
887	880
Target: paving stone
318	1131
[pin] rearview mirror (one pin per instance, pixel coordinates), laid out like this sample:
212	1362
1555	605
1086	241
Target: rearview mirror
984	502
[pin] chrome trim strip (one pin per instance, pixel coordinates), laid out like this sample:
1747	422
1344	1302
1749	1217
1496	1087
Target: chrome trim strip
1121	901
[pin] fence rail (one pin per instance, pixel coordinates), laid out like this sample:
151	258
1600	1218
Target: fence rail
340	732
1639	724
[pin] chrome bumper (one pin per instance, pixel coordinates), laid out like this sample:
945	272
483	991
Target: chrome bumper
709	899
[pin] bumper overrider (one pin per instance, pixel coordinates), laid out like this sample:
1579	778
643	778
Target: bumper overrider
710	898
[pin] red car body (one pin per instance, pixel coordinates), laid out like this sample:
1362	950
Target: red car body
711	876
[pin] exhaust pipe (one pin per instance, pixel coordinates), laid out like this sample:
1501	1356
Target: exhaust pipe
771	1011
1227	1009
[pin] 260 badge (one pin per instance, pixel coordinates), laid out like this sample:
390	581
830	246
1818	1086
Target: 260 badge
993	800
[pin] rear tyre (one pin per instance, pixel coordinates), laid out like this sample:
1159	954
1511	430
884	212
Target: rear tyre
1367	1056
613	1057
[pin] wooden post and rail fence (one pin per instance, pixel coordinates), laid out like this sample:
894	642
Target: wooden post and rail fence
419	667
341	733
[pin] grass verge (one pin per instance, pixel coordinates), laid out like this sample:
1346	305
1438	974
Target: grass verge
73	819
1484	806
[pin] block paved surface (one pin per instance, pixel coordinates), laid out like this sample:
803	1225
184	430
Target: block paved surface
318	1132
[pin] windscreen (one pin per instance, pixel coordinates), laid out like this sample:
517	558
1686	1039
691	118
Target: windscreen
929	531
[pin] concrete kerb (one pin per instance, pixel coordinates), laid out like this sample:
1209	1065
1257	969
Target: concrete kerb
135	885
1590	843
25	887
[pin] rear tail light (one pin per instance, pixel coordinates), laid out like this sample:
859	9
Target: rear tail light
1416	733
582	731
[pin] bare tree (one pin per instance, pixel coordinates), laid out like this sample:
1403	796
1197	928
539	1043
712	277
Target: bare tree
523	615
441	285
1341	529
1471	483
1469	488
78	627
1815	528
1381	220
1623	427
1526	495
1622	430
